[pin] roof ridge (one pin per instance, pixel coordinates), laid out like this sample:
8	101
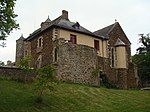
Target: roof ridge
106	30
112	27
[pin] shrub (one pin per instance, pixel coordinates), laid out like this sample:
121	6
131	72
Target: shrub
103	78
44	81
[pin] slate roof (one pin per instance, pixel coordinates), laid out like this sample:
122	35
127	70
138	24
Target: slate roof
119	42
64	24
21	38
69	25
106	30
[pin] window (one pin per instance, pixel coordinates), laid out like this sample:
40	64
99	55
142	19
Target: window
39	61
113	57
73	39
40	42
55	54
26	52
96	44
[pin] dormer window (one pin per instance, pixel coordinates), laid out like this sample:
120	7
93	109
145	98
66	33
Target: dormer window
76	25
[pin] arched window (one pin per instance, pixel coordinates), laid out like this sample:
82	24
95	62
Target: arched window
39	61
55	54
40	42
112	57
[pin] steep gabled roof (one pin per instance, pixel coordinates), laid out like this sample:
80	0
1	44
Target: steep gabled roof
63	23
105	31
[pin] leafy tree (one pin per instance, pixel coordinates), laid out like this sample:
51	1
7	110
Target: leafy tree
44	81
145	40
24	65
142	58
2	63
7	18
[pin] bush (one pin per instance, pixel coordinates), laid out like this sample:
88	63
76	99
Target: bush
103	78
44	81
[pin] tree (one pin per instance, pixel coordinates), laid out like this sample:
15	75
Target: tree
24	62
145	40
44	81
7	18
24	65
2	63
142	58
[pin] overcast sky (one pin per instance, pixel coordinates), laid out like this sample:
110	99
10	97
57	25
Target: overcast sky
133	16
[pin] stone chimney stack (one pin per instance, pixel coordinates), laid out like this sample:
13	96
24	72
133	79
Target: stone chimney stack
64	14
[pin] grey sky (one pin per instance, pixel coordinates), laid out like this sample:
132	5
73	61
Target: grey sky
133	16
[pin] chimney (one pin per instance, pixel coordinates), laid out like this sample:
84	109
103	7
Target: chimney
64	14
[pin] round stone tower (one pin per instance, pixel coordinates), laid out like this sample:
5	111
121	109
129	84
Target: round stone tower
19	48
121	54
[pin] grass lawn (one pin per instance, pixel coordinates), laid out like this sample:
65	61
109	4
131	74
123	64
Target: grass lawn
18	97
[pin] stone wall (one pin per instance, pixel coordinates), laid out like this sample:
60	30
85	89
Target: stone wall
45	51
132	78
121	74
75	63
16	74
122	78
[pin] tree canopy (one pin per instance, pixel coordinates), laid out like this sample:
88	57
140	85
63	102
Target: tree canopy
142	58
145	40
7	18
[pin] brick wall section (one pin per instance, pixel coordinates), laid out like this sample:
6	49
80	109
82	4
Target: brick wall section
121	74
132	78
16	73
46	51
76	63
104	63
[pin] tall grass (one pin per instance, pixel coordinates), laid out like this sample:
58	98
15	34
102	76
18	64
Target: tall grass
19	97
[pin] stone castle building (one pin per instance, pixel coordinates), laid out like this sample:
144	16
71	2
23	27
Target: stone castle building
76	51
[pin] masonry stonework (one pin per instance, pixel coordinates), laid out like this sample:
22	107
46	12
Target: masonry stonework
45	51
76	63
16	74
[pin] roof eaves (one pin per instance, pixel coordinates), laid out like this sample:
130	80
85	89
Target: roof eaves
90	34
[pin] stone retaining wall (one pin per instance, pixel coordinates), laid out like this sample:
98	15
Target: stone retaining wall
16	74
76	63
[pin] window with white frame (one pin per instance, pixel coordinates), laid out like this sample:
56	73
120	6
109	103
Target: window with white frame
40	42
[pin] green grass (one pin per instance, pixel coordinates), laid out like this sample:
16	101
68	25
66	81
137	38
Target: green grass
18	97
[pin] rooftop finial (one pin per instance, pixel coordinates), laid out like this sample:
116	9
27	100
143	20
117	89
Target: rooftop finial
48	20
21	38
